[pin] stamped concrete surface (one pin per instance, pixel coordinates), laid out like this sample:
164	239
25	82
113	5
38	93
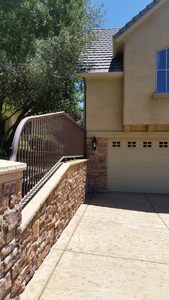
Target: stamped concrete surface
116	247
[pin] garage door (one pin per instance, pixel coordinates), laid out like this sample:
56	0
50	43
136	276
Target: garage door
138	166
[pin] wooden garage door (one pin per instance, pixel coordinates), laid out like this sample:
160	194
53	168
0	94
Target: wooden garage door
138	166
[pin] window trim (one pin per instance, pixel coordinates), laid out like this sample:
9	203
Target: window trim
163	96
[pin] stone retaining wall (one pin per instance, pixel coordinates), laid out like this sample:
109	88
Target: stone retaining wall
10	226
23	246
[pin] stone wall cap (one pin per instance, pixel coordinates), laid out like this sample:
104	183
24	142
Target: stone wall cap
7	166
76	161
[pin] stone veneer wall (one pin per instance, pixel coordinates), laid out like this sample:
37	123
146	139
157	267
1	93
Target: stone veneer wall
10	226
23	247
97	165
48	222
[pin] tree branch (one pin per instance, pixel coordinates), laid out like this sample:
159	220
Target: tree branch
19	109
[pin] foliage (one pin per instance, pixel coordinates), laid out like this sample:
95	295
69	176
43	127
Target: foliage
41	41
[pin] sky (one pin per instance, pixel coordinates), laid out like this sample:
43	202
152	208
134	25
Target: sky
119	12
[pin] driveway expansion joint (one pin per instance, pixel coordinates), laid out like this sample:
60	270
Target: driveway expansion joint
158	214
117	257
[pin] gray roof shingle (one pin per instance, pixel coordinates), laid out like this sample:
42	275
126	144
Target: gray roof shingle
136	18
99	56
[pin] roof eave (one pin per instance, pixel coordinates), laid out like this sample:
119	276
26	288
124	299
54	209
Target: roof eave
118	74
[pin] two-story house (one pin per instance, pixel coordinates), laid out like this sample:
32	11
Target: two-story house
126	75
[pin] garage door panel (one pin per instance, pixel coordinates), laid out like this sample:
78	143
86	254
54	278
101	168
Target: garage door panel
146	185
118	186
147	175
131	158
162	176
163	160
139	167
132	185
146	158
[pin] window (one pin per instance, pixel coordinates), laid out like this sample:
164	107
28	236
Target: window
162	71
147	144
116	144
163	144
131	144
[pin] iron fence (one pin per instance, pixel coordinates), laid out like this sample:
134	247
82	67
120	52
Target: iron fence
41	141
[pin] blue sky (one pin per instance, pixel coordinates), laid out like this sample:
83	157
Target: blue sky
119	12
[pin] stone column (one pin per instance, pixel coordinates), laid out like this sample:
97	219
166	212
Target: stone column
97	165
10	232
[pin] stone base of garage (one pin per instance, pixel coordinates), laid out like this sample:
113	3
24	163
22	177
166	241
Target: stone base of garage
129	162
97	165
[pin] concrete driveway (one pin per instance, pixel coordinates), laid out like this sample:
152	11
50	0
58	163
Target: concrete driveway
116	247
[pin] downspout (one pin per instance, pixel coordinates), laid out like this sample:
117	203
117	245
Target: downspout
84	117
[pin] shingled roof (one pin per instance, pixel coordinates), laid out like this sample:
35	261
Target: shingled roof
99	56
136	18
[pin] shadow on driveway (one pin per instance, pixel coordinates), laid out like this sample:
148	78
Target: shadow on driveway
158	203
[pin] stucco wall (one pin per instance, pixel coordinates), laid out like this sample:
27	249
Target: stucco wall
139	71
104	104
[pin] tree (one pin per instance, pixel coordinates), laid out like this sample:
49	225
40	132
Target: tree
41	41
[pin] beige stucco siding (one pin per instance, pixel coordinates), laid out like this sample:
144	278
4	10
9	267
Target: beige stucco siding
104	100
141	45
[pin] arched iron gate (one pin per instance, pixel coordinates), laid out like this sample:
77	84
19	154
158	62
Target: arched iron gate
42	141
